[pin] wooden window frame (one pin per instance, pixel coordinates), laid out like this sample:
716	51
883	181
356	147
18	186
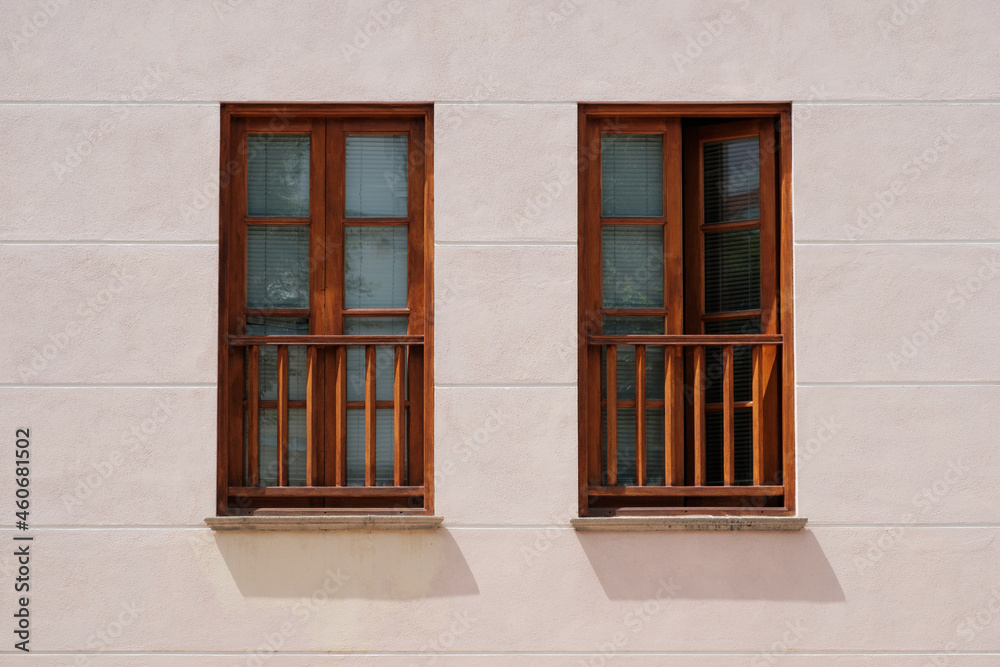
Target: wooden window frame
685	491
326	490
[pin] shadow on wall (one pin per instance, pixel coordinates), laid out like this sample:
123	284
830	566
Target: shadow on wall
713	565
375	565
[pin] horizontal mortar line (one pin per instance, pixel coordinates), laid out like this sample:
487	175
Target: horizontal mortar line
541	385
901	242
549	103
95	242
91	385
892	102
94	103
905	383
472	526
565	244
820	524
555	652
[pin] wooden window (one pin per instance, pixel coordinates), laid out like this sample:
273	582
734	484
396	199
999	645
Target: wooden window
325	388
686	401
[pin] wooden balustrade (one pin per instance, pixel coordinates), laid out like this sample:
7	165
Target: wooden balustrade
764	406
326	413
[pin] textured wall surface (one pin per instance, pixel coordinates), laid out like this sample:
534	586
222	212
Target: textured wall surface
109	153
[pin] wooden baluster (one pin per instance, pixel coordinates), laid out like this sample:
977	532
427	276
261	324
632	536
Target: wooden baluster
311	448
399	417
673	416
699	415
758	415
253	414
282	415
370	415
728	418
612	413
640	415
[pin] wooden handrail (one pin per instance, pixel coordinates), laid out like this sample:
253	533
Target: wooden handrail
688	341
325	341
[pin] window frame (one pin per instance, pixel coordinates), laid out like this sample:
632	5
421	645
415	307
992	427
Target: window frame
681	162
328	126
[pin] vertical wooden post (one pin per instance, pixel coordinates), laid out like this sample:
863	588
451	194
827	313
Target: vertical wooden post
673	416
399	417
728	418
311	435
370	415
699	415
758	416
282	415
612	413
640	415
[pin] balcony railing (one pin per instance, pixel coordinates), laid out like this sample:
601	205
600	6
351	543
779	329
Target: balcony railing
326	407
686	379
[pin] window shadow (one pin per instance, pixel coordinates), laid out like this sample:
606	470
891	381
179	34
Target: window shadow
738	565
378	565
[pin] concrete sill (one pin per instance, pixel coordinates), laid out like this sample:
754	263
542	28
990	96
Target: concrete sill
365	522
688	523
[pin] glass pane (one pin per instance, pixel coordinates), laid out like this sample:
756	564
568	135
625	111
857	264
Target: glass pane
376	176
631	175
632	266
384	356
268	451
375	267
268	361
732	270
742	361
277	266
732	180
296	447
268	448
278	175
384	453
623	326
626	446
742	447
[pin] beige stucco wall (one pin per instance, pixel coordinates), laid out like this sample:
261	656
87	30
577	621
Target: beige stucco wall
109	140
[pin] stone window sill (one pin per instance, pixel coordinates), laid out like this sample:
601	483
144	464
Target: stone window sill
362	522
688	523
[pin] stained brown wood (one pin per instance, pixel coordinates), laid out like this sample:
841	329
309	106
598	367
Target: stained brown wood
312	454
611	371
673	416
282	415
687	341
684	491
325	404
787	321
325	491
640	414
728	418
320	340
253	415
699	416
758	416
371	414
399	417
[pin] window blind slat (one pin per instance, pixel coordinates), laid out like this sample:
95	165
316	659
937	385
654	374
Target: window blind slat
631	175
375	267
376	175
732	180
277	266
278	175
632	266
